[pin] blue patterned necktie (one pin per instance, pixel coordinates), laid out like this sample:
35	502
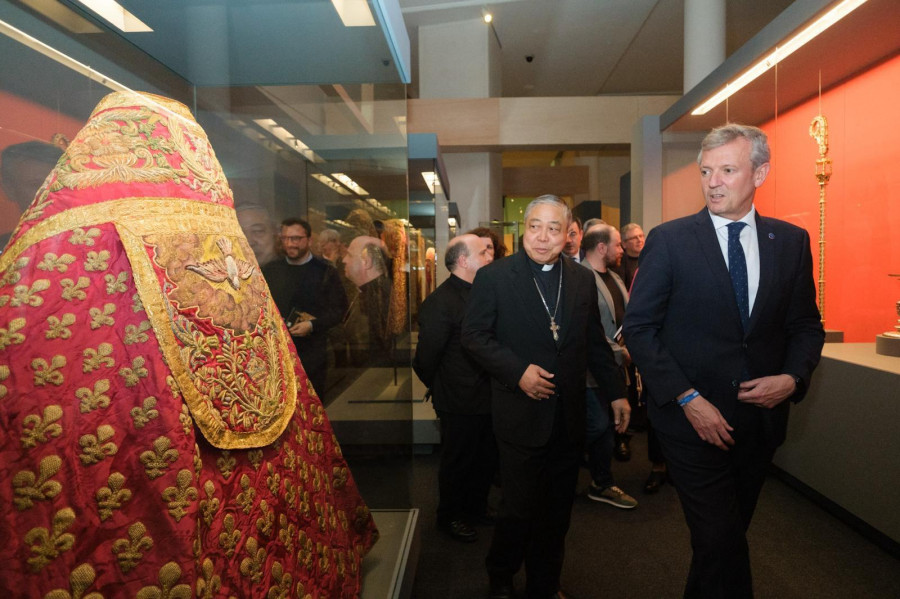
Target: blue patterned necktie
737	267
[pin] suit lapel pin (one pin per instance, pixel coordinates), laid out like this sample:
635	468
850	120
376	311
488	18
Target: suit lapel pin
771	235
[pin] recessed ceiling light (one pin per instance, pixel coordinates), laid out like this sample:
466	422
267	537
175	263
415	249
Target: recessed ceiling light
354	13
115	13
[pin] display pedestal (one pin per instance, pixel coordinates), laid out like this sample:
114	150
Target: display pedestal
887	346
834	336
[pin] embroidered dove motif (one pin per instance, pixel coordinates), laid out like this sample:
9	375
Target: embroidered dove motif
229	268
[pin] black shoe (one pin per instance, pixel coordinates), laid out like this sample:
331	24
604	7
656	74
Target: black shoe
501	588
622	451
656	479
459	530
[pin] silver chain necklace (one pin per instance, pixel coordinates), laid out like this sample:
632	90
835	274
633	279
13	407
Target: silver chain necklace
554	328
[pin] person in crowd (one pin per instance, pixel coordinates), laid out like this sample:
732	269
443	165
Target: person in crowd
633	243
330	248
497	248
532	321
572	249
23	168
159	437
724	327
309	295
602	248
365	265
461	392
261	234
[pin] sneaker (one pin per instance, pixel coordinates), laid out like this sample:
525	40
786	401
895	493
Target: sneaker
613	495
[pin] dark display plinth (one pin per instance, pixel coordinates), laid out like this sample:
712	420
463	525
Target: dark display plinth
834	336
887	346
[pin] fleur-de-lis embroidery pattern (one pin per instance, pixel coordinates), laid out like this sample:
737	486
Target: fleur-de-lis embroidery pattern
80	580
12	274
4	374
95	399
157	460
306	548
112	496
36	429
95	358
286	532
251	566
81	237
23	295
245	498
137	333
168	588
266	522
136	304
283	583
96	447
273	480
130	551
46	545
180	496
116	284
210	505
290	492
45	373
324	552
29	488
255	456
137	371
11	335
53	262
72	290
229	538
226	464
96	261
142	415
187	423
59	327
102	317
209	583
339	476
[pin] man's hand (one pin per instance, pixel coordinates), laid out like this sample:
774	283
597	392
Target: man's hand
535	382
709	422
621	414
301	329
768	391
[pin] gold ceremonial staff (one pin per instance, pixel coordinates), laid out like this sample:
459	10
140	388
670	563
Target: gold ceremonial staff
818	130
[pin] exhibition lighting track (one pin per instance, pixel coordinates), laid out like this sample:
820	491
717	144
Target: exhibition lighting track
780	53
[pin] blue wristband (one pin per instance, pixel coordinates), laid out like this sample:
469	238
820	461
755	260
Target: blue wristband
688	398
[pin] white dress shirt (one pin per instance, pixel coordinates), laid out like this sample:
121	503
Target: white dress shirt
750	243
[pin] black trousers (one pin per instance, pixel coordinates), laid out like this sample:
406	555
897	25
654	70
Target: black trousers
538	491
718	492
468	463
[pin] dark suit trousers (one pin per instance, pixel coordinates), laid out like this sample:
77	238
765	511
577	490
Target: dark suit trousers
538	491
468	462
718	491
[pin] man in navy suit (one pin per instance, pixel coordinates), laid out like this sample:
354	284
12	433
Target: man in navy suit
532	321
724	327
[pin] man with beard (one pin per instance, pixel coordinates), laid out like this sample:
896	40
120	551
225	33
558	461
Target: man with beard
309	296
257	225
532	321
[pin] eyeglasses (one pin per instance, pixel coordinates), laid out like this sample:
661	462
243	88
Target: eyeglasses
292	238
627	239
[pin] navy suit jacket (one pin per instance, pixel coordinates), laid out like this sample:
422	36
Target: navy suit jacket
507	328
683	327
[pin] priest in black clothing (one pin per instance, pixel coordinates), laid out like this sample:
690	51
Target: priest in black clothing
309	296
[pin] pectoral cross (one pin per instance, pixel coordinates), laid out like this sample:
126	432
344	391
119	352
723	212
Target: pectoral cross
554	328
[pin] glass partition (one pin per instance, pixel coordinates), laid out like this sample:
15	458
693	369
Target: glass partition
334	155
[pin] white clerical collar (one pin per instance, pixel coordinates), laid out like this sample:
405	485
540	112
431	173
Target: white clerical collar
548	267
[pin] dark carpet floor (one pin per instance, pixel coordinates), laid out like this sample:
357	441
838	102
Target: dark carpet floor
798	550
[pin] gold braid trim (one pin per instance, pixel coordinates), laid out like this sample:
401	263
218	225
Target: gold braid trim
134	218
